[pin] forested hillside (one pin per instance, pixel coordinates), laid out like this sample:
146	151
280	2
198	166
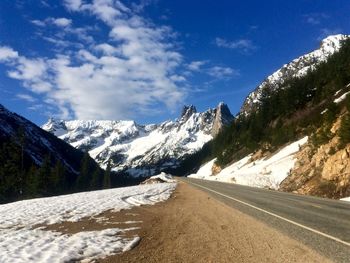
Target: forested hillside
34	163
301	106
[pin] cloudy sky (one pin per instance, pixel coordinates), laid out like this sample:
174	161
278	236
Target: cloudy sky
145	59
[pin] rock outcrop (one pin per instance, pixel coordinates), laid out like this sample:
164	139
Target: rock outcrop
324	171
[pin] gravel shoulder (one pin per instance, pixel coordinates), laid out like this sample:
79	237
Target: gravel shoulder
193	227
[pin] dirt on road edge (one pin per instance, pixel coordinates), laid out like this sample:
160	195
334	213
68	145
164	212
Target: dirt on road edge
193	227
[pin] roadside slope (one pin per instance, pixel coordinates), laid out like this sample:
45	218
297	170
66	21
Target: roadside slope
193	227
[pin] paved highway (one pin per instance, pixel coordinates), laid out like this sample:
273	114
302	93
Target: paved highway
322	224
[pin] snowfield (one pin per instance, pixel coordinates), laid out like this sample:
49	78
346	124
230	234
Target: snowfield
21	241
264	173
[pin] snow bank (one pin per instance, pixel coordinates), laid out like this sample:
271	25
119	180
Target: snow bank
20	242
346	199
265	173
341	98
164	177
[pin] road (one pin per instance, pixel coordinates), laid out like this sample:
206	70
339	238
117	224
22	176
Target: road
321	224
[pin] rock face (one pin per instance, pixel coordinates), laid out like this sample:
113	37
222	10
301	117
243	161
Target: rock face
324	171
143	150
223	117
296	68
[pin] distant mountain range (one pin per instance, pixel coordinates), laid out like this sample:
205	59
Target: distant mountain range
143	150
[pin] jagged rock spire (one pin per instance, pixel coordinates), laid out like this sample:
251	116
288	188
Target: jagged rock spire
187	111
223	117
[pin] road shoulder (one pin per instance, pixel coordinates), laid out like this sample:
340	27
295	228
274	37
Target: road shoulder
193	227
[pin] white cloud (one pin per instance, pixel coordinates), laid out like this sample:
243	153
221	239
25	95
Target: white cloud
73	5
222	72
133	71
61	22
25	97
196	65
38	23
7	53
244	45
315	18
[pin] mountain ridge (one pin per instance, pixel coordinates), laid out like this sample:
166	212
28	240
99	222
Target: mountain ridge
143	150
298	67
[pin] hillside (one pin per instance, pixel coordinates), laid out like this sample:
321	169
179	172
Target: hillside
308	101
143	150
35	163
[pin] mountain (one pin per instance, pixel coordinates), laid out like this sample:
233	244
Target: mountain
293	131
143	150
296	68
38	143
36	163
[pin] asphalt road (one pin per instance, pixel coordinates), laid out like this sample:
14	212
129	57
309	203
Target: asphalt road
321	224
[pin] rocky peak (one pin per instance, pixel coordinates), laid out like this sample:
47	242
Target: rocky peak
142	150
55	126
187	112
223	117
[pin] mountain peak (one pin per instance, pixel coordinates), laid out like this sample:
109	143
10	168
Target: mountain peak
294	69
187	111
223	117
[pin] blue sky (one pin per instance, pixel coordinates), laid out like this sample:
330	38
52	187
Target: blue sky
143	60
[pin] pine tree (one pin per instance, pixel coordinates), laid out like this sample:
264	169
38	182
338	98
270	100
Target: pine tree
344	131
10	172
43	175
56	179
32	182
107	176
83	180
96	179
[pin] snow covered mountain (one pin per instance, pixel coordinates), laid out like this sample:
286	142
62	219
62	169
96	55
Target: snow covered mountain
143	150
296	68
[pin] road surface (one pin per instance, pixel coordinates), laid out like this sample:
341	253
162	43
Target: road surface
321	224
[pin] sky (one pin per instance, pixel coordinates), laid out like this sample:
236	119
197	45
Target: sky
145	59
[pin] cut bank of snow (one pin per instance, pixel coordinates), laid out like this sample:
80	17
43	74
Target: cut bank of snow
346	199
265	173
21	242
341	98
164	177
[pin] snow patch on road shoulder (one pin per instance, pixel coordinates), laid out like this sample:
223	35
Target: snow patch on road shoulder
21	242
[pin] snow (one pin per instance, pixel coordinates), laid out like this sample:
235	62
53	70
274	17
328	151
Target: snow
341	98
346	199
132	146
164	177
21	241
264	173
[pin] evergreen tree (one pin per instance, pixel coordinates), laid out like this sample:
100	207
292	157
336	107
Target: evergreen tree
57	178
10	171
107	176
32	182
344	131
96	179
83	180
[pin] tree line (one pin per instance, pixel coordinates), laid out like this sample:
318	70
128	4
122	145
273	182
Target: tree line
22	178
